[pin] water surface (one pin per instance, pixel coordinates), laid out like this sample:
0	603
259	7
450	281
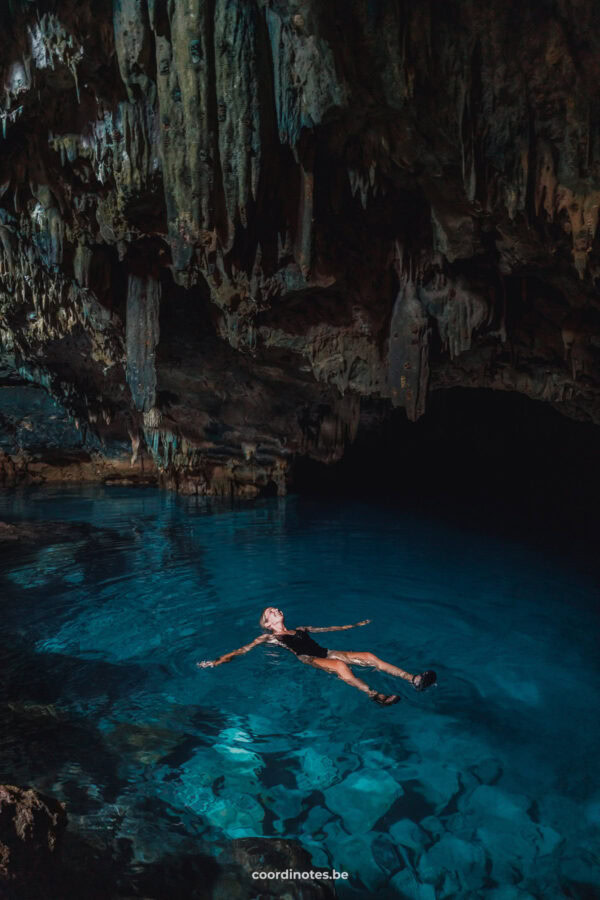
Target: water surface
485	785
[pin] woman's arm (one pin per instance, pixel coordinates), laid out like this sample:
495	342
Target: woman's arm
336	627
227	657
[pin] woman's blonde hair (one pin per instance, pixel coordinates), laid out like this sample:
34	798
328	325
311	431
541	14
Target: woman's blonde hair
263	617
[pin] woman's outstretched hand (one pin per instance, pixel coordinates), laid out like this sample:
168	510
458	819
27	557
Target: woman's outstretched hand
205	664
365	622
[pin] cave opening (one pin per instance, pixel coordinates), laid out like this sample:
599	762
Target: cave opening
476	455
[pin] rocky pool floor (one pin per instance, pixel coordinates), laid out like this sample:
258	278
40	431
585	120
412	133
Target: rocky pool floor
486	785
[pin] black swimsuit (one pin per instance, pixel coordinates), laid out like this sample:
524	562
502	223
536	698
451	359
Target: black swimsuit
302	644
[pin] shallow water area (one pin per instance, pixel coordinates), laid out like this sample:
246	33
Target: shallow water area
484	785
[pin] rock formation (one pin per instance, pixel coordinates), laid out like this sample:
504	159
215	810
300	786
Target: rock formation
250	867
31	827
32	831
224	223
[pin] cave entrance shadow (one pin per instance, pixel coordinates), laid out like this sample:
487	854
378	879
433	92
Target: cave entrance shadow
480	458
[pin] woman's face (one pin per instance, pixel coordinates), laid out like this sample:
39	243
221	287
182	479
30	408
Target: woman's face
273	617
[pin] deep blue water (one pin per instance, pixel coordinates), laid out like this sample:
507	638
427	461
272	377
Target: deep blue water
486	785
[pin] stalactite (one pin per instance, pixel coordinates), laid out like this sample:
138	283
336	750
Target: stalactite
7	245
304	235
187	112
408	353
458	310
142	333
81	265
306	82
238	108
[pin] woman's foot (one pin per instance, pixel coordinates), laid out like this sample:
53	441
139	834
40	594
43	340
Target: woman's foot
424	680
384	699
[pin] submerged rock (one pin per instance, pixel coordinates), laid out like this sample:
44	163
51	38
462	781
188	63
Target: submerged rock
362	798
147	744
355	854
318	770
270	856
407	833
465	861
498	823
407	885
438	784
37	533
239	816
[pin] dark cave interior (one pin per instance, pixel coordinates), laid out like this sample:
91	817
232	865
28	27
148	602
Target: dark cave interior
476	456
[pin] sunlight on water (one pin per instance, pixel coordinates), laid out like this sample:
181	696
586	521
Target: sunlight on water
486	784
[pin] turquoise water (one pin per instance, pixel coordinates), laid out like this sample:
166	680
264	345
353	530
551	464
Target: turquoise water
486	785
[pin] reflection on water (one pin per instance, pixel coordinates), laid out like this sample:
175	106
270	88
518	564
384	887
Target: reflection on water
486	784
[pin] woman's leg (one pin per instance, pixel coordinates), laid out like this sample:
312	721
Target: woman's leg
369	659
341	669
419	682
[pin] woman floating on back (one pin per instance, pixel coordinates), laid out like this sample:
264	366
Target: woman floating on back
338	662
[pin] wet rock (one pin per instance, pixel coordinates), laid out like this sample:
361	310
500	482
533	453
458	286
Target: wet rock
355	854
499	822
488	771
37	711
578	871
318	770
433	826
237	817
212	782
316	818
285	803
147	744
407	833
438	784
407	885
362	798
36	533
269	855
465	861
385	853
497	802
31	829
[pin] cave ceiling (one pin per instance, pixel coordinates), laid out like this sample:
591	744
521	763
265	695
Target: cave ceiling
224	224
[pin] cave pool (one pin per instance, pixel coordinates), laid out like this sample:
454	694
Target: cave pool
484	786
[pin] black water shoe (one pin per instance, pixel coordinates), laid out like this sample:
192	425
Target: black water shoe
384	699
425	680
